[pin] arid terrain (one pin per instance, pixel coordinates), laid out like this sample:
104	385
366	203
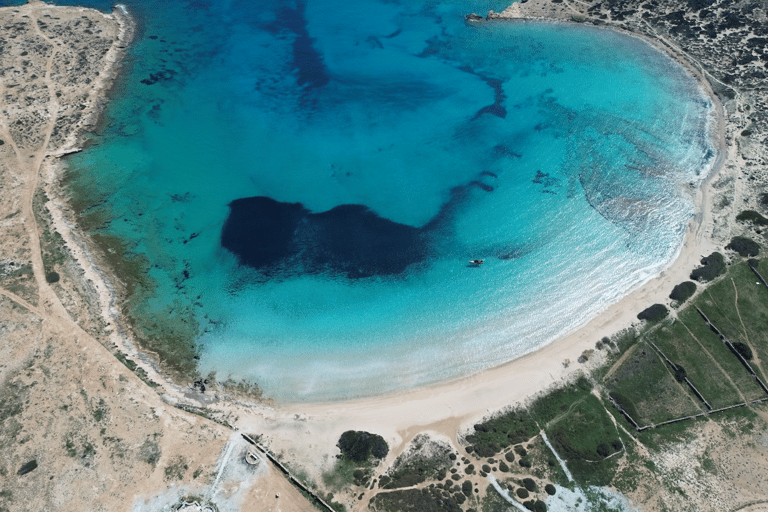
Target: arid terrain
90	422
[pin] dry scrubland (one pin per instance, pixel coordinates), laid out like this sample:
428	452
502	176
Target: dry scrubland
87	423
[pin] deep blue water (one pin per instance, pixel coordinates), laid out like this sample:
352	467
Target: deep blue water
310	179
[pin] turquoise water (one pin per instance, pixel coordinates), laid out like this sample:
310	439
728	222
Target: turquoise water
573	148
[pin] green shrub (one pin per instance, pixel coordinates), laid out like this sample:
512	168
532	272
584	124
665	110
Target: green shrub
743	349
714	265
529	484
359	446
603	450
550	489
503	467
26	468
521	451
501	431
683	291
680	374
486	468
653	313
52	277
522	493
525	462
746	247
510	456
486	450
753	217
466	488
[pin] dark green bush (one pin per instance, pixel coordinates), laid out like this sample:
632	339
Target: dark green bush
683	291
466	488
52	277
510	456
486	450
359	446
525	462
501	431
539	506
522	493
551	490
529	484
746	247
753	217
521	451
26	468
503	467
469	469
743	349
680	374
714	265
653	313
486	468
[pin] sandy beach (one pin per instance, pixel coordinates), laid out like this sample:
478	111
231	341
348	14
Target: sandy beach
89	317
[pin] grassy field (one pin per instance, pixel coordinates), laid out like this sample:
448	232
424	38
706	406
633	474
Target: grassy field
647	381
726	360
701	368
744	320
588	440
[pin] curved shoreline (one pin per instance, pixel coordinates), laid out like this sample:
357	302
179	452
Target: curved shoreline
448	403
448	407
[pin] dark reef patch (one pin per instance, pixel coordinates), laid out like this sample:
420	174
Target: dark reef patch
348	239
280	239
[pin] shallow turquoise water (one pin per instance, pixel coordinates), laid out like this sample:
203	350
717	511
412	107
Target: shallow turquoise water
589	139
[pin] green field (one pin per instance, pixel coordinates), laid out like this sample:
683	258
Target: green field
646	380
702	369
588	440
745	320
722	354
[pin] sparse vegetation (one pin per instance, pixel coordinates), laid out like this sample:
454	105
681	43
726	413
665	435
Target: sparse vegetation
176	468
149	452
